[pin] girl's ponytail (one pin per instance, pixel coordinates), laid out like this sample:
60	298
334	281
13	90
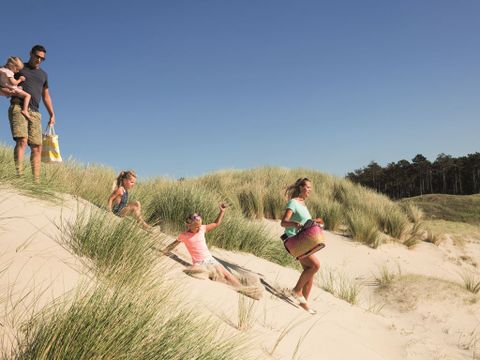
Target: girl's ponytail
124	174
118	181
293	190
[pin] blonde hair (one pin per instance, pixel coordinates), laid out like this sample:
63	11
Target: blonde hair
294	190
16	61
125	174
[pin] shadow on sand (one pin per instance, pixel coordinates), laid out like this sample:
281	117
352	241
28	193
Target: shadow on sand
242	271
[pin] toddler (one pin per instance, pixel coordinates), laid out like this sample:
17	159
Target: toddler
7	80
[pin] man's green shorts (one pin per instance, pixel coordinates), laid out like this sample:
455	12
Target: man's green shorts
23	128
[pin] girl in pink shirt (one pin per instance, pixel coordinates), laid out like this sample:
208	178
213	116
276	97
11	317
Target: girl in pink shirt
196	244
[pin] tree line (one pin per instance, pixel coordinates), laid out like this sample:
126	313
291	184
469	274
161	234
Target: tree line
446	175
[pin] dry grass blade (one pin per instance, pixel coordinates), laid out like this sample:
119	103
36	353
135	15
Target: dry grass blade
286	330
246	312
471	281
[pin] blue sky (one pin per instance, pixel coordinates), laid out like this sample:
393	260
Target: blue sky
182	88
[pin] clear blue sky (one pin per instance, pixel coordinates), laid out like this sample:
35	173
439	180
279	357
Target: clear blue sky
181	88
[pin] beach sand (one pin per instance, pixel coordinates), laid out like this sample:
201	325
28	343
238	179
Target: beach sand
426	314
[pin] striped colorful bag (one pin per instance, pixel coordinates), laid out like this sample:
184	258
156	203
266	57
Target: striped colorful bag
306	242
50	146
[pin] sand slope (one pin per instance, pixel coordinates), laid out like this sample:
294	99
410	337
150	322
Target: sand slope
35	269
416	318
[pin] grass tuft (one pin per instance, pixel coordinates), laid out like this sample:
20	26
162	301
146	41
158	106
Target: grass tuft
393	221
118	323
433	237
413	212
385	277
363	228
339	285
246	312
471	281
115	248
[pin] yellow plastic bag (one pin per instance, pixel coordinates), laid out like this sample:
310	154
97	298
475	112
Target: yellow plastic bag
50	146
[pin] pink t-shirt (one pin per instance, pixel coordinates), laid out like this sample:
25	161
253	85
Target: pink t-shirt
196	244
4	75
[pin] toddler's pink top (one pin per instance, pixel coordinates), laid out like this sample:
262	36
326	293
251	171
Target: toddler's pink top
4	82
196	244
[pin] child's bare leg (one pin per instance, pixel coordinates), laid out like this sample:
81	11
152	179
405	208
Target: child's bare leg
134	209
232	280
26	101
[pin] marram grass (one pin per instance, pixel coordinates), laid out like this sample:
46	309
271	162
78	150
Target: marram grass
363	229
118	323
338	284
251	194
115	248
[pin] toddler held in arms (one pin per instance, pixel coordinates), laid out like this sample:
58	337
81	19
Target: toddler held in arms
7	80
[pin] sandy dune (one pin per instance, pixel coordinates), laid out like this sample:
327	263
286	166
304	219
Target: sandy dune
418	317
35	269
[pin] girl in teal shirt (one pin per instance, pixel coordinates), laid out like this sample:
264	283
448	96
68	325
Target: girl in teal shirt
296	214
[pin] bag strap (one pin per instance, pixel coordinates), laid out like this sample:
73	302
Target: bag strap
49	131
308	224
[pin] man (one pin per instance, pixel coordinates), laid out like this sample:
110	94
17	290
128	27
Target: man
29	132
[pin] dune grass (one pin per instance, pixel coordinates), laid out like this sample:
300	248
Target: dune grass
246	313
394	222
415	234
362	227
285	331
386	276
90	182
118	323
131	312
460	232
433	238
115	248
405	292
331	212
338	284
471	281
252	194
414	213
336	200
457	208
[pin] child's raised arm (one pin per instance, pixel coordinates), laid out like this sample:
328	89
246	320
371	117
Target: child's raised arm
219	219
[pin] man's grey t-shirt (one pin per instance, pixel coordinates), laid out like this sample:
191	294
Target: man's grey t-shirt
36	81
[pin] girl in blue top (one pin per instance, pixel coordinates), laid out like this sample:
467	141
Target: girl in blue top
118	200
296	214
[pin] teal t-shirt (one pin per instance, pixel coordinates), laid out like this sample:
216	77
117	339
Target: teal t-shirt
300	214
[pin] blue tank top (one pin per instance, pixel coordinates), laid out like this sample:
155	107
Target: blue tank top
123	202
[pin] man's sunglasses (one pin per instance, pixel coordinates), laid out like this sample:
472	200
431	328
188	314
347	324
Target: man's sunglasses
38	57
